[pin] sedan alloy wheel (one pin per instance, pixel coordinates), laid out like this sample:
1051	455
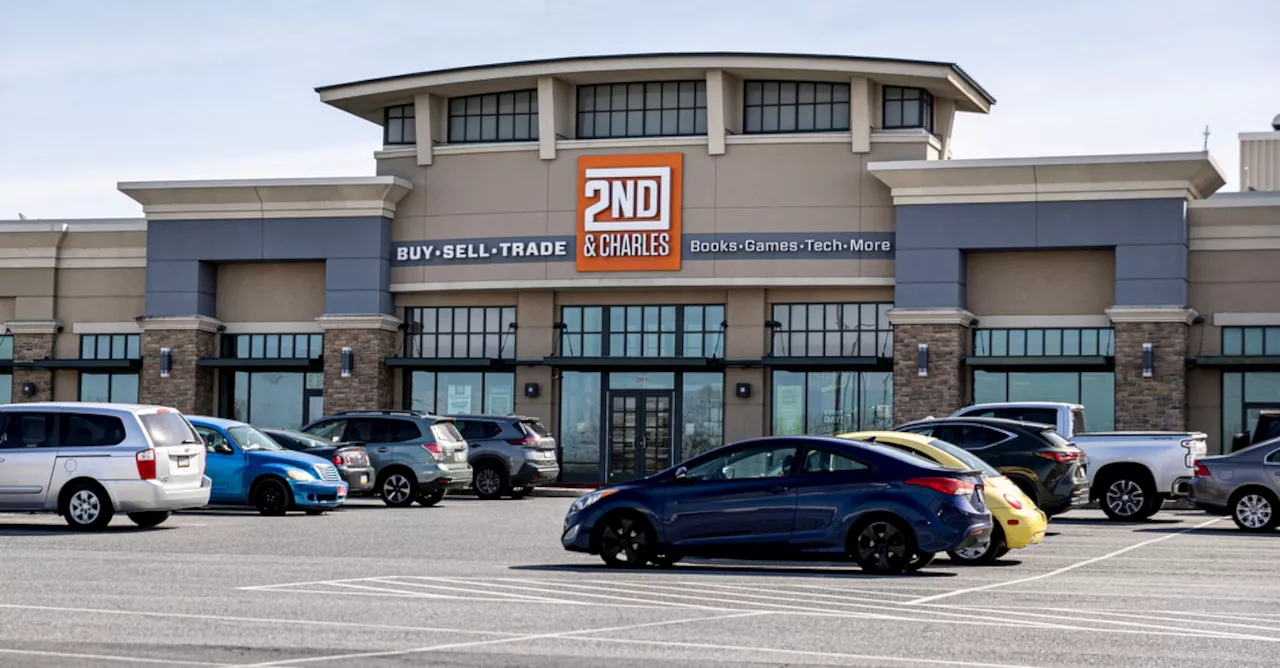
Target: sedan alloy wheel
1255	512
882	547
624	542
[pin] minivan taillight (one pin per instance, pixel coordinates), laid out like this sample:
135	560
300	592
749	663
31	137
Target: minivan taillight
146	460
949	486
434	448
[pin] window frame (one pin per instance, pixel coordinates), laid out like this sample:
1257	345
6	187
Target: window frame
985	341
795	86
465	114
1269	340
713	338
407	115
258	346
924	100
416	335
583	101
64	429
785	333
111	385
735	453
52	426
119	346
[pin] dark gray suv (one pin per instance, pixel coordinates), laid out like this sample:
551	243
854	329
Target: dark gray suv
415	456
510	454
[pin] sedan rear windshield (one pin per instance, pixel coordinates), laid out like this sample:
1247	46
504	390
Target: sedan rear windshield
166	429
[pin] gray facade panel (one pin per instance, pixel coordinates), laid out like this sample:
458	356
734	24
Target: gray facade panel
967	226
360	302
1101	223
930	266
1151	292
929	295
1153	261
182	257
356	274
324	238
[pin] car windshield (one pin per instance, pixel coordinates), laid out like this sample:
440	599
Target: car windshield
971	460
249	439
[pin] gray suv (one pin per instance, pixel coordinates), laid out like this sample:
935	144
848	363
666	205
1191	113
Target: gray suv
415	456
511	454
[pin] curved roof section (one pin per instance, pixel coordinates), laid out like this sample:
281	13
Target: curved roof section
367	97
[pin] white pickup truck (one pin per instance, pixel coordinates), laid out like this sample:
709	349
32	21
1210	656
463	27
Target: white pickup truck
1131	473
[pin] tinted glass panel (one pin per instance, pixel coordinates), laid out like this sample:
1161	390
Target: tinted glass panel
642	109
26	430
167	429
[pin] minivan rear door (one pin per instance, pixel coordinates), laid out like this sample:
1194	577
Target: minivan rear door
180	453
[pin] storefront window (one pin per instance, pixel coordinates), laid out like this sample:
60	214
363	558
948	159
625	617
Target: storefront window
579	437
280	400
832	330
120	388
702	413
1069	342
1095	390
1250	341
643	331
1244	397
463	392
831	402
461	332
6	380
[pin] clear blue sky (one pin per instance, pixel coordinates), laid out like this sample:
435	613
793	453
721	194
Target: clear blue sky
92	93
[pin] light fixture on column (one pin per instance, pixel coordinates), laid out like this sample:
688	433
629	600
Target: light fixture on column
922	360
166	362
348	360
1148	360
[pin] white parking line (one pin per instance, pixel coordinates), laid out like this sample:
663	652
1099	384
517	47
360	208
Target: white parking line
800	652
1059	571
109	657
479	643
498	597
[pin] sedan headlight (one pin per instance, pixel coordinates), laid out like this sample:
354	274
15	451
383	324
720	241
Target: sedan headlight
587	500
300	475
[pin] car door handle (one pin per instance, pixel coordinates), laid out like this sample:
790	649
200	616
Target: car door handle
778	489
382	449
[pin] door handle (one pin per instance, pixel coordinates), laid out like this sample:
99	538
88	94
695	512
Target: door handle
778	489
1	459
382	449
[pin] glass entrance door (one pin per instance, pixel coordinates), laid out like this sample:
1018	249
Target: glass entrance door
639	432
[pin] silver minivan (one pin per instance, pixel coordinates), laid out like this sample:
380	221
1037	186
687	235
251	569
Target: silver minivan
88	461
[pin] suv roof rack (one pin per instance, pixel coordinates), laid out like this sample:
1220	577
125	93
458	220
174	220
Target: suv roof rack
391	411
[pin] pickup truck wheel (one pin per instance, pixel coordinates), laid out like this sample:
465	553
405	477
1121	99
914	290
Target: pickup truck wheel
1255	511
1126	497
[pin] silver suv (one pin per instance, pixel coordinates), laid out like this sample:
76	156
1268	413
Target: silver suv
88	462
415	456
511	454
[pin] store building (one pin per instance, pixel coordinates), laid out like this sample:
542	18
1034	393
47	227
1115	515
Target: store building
659	253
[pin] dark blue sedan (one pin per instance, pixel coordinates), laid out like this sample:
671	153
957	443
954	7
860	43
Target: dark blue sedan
786	497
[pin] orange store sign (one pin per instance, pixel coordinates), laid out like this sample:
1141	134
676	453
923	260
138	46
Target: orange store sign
629	212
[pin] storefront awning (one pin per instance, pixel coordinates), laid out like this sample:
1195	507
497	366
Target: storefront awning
264	364
75	364
841	363
654	363
1042	362
451	363
1253	362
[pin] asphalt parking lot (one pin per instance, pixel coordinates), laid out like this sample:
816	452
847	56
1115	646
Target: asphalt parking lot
475	583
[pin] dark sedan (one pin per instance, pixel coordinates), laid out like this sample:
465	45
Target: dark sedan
1043	464
1244	484
351	458
786	497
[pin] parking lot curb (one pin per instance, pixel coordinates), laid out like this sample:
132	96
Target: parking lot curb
559	492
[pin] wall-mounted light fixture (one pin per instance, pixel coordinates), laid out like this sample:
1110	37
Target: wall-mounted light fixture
531	390
743	390
28	389
922	360
348	361
166	362
1148	360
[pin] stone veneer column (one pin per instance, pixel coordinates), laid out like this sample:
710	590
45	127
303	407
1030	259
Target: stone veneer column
32	340
372	339
947	333
189	387
1157	403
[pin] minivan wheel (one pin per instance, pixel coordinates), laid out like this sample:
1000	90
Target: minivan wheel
1255	511
883	546
490	482
428	499
398	489
981	556
271	497
1125	498
85	506
149	519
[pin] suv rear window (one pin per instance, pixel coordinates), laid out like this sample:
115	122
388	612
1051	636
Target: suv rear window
445	432
167	429
535	427
1055	438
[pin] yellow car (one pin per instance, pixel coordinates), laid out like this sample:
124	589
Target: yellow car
1018	522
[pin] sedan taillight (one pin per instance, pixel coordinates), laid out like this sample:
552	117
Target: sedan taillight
1202	471
949	486
146	460
339	460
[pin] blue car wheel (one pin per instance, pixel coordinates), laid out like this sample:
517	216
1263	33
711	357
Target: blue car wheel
883	545
271	497
626	541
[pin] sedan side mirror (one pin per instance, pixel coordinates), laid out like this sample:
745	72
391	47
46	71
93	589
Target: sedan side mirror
682	474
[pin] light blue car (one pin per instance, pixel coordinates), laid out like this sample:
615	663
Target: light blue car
248	468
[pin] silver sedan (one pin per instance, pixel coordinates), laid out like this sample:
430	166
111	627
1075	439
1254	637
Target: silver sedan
1244	484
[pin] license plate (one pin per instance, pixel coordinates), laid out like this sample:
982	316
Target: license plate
342	491
364	480
183	462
